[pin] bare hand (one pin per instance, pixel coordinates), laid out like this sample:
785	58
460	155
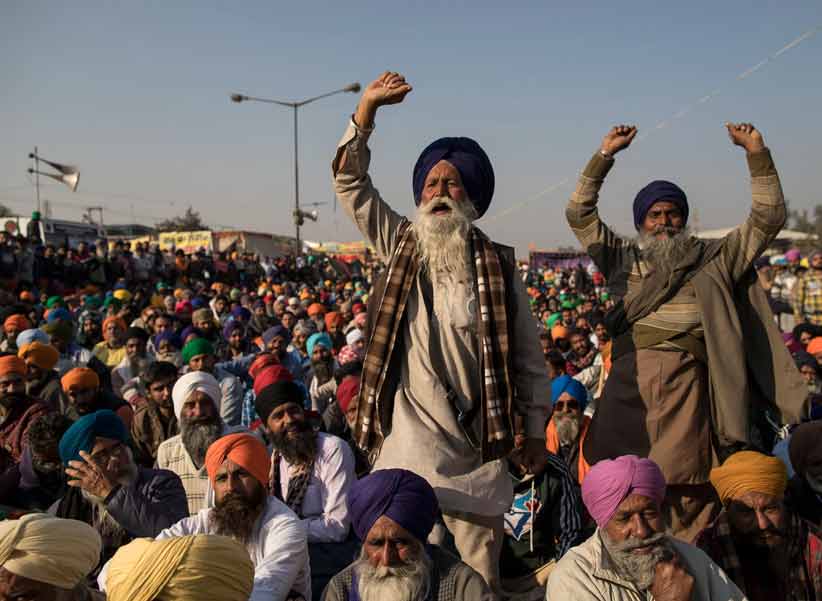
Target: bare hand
672	582
619	138
388	88
90	476
530	455
746	136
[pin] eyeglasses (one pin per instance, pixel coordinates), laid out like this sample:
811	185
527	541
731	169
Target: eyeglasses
104	456
562	405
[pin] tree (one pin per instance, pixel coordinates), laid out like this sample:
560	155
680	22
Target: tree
5	211
808	222
188	222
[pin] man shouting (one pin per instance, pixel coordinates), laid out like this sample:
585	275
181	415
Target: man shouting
696	353
454	373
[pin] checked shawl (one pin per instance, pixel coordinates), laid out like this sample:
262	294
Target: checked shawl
493	344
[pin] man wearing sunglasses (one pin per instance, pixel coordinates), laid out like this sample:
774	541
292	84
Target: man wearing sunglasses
568	425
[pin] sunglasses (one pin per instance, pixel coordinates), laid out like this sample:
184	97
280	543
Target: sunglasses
562	405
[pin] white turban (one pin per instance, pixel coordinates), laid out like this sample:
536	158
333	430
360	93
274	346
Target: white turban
195	381
52	550
353	336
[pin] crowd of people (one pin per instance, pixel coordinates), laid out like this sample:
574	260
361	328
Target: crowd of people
432	421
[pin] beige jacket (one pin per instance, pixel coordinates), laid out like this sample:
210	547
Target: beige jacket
586	573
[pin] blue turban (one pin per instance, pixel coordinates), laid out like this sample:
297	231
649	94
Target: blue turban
274	331
654	192
469	159
315	339
231	325
241	313
27	336
197	303
80	436
169	336
572	387
399	494
59	313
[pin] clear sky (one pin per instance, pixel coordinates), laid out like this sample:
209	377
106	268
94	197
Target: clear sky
137	95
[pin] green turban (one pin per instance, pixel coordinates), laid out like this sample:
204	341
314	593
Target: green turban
198	346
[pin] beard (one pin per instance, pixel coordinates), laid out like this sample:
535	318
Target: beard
410	581
197	435
12	399
297	443
442	240
667	251
638	568
323	370
567	428
235	515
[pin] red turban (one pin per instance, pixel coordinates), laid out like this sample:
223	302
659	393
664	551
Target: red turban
11	364
80	378
18	321
245	450
262	361
347	391
271	374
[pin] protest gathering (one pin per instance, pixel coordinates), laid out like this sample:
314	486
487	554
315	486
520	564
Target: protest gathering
420	380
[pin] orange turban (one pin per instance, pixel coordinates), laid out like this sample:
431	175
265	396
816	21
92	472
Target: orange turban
558	332
118	320
80	378
749	471
815	345
42	355
333	318
11	364
20	321
245	450
315	309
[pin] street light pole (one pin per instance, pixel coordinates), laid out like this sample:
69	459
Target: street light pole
354	88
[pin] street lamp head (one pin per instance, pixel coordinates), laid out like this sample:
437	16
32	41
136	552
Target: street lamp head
354	87
238	98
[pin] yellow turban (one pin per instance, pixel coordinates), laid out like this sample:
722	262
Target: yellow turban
749	471
51	550
200	566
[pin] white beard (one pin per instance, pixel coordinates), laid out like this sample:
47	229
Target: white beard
442	240
666	251
408	582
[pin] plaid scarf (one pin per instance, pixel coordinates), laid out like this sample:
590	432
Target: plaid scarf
804	582
493	344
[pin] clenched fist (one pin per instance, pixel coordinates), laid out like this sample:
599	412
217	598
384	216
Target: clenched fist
619	138
388	88
746	136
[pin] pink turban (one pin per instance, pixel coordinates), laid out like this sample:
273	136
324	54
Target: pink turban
611	481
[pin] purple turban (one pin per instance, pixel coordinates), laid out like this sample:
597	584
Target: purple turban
168	336
469	159
230	326
399	494
241	313
272	332
654	192
611	481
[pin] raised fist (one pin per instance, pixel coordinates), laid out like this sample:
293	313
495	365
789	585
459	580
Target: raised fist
619	138
388	88
746	136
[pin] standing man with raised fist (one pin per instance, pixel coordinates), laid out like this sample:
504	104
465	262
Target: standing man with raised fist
697	357
453	378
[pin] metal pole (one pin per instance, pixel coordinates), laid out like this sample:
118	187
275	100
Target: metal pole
296	185
37	177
